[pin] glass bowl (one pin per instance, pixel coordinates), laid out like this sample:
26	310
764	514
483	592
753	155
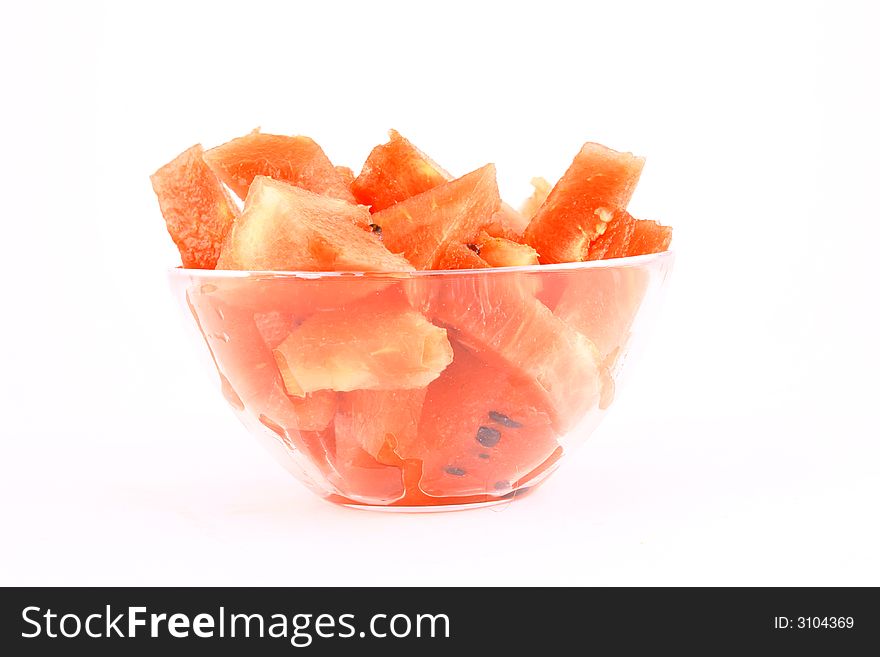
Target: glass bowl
431	390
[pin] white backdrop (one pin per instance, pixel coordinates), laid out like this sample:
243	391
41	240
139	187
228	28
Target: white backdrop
743	451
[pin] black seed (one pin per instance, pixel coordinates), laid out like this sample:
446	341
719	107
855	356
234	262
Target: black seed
377	230
501	418
475	248
483	455
488	437
458	472
502	485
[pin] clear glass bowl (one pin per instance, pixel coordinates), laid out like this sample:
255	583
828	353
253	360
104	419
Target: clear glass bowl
425	390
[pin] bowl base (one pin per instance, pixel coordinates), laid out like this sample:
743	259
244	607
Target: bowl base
436	508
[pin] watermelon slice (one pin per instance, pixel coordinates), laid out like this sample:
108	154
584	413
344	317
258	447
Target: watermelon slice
626	236
602	305
506	223
492	316
397	170
598	183
317	446
502	252
614	242
297	160
374	344
649	237
378	419
284	227
455	255
420	226
360	478
279	302
482	428
198	211
346	174
247	367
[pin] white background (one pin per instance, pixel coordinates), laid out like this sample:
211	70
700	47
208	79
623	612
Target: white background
745	449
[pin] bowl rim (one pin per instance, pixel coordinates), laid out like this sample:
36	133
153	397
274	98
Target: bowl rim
611	263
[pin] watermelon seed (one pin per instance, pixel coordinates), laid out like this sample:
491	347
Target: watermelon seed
488	437
475	248
501	418
502	485
458	472
483	455
377	230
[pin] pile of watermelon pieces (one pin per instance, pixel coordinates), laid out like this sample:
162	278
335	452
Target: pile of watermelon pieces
419	215
408	390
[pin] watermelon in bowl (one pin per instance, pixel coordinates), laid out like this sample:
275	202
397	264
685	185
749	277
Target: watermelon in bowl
427	389
423	352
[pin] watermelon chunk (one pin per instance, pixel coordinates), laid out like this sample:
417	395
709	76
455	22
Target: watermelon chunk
297	160
495	318
247	368
346	174
284	227
502	252
614	242
626	236
279	302
393	172
359	477
483	427
397	170
506	223
421	225
649	237
378	419
455	255
602	305
198	211
372	344
599	182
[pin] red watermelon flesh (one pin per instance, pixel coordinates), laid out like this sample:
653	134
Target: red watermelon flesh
346	174
397	170
614	242
274	326
420	226
361	478
649	237
247	367
281	301
296	160
502	252
492	316
602	304
507	223
482	428
374	419
197	209
379	343
598	183
284	227
393	172
455	255
317	446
